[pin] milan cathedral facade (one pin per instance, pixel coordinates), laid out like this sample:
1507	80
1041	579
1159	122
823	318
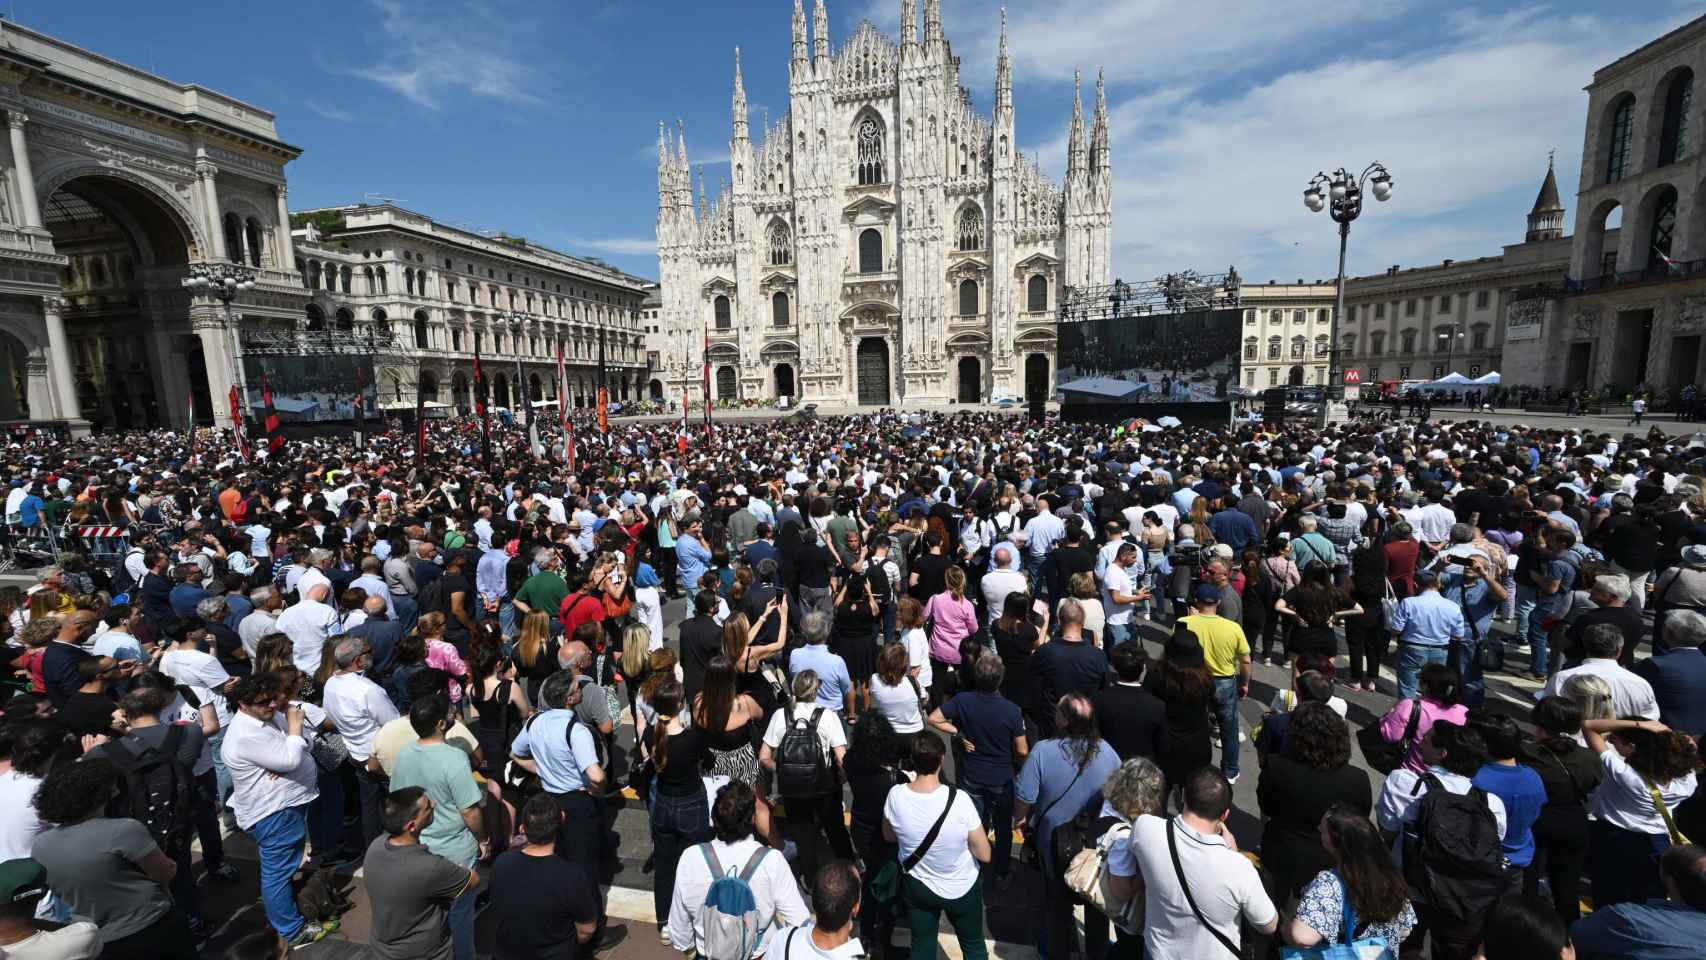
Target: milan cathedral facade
883	243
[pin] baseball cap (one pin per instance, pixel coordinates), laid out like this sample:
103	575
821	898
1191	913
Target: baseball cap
22	879
1206	593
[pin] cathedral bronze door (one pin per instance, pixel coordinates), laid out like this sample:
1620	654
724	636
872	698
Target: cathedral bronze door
971	380
873	372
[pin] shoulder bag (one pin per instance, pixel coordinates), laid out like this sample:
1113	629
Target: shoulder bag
1676	834
1348	945
885	885
1032	853
1185	888
1383	754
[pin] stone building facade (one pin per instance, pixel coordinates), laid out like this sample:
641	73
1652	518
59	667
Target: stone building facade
882	242
1285	337
1634	311
427	293
113	182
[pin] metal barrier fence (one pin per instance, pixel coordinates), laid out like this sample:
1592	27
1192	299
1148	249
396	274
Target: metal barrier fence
44	544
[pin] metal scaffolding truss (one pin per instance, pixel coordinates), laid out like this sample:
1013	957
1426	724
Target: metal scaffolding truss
392	356
1180	292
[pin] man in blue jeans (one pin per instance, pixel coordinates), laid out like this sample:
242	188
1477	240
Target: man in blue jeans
1553	578
1427	625
990	723
1226	651
1468	580
273	779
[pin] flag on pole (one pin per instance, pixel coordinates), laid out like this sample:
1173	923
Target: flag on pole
707	378
191	397
480	409
237	426
357	407
563	410
604	414
270	425
681	434
420	429
1672	265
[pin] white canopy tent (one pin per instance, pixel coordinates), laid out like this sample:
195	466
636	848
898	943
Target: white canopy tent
1489	380
1451	381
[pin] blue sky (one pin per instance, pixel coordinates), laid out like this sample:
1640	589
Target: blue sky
540	118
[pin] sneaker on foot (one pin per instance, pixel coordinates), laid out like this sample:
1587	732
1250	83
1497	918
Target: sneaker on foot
224	873
1233	778
310	933
663	936
609	937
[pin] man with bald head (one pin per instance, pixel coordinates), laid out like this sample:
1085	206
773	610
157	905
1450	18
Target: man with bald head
381	631
59	662
594	709
307	625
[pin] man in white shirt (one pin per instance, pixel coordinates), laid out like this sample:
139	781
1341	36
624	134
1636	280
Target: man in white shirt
358	708
308	624
1631	694
1004	578
1223	884
1120	595
1433	522
315	575
273	779
734	850
835	907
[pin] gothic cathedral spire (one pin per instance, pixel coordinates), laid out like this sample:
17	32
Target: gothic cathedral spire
799	33
1546	220
1075	153
908	23
739	106
1003	70
820	34
1099	130
933	22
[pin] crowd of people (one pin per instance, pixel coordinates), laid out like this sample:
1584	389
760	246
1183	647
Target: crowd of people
926	661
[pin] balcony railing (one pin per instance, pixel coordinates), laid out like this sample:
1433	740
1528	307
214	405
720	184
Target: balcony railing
1658	272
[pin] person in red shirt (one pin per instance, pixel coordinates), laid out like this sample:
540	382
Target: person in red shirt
585	602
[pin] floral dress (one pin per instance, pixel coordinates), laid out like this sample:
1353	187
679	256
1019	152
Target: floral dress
1322	907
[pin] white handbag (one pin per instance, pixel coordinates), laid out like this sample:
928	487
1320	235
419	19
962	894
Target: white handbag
1389	606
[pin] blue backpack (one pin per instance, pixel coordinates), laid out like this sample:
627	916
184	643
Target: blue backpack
729	915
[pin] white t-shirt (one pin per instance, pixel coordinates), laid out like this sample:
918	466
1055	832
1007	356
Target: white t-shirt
1623	800
1223	883
76	941
18	822
830	733
180	711
898	703
918	655
947	868
1116	579
202	674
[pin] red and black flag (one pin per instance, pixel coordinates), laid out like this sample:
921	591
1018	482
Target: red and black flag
270	423
480	410
420	429
563	410
237	426
358	407
681	435
707	379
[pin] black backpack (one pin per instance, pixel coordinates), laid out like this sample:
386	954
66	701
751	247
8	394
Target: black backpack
1453	858
120	578
802	770
159	790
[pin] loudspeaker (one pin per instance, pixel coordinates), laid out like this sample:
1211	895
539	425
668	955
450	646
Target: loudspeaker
1273	405
1038	409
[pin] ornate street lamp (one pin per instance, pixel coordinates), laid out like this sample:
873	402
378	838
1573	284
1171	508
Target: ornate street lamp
223	282
1341	195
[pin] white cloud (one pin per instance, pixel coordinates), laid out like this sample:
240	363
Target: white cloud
330	113
432	50
627	246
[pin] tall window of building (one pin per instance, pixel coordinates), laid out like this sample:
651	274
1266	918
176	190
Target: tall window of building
1249	318
1483	299
1409	339
1297	348
1621	140
1445	304
968	297
720	307
779	309
872	152
1673	134
871	251
781	245
1250	348
1664	222
971	229
1273	348
1036	294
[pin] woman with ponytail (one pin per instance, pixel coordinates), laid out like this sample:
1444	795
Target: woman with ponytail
680	813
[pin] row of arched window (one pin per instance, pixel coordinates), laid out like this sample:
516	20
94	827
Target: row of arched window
781	307
1669	114
335	278
243	239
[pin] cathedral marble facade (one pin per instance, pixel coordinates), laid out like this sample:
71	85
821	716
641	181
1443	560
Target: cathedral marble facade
882	243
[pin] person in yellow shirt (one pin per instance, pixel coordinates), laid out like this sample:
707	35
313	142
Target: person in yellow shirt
1227	653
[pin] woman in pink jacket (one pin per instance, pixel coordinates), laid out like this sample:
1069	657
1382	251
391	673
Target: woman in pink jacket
951	619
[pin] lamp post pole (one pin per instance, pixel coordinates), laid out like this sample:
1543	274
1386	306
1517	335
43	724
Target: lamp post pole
224	281
1341	194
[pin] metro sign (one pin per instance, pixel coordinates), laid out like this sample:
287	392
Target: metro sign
1353	376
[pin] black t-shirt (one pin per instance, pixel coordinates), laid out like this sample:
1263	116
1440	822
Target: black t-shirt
932	570
990	721
84	713
226	644
1063	667
812	564
536	902
701	639
455	583
1132	720
1070	560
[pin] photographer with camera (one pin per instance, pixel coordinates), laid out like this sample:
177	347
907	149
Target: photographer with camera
1466	576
